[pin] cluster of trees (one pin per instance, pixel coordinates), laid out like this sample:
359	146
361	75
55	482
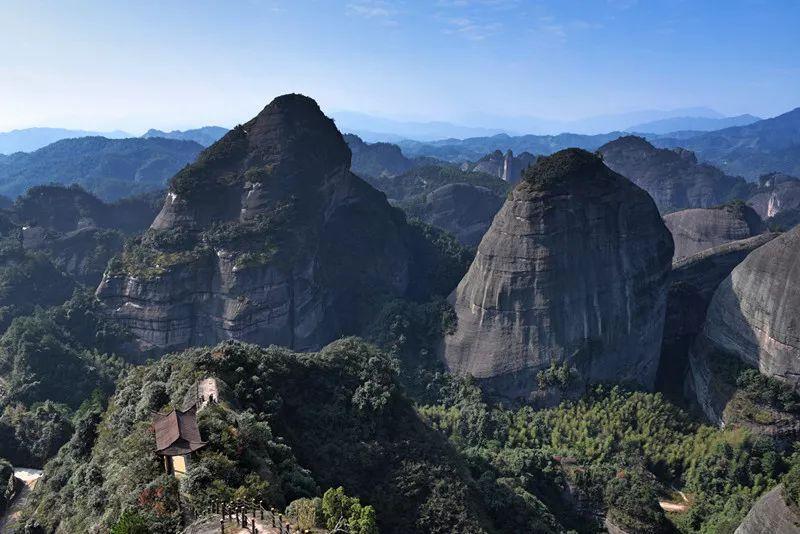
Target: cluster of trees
52	363
289	424
616	449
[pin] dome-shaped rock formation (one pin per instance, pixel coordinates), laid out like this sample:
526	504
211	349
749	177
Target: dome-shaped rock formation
268	237
572	273
754	312
693	281
696	229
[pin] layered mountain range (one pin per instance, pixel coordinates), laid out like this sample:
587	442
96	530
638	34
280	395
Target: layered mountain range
597	278
205	136
750	150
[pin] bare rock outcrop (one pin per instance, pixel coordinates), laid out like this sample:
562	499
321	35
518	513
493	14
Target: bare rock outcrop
268	238
573	273
771	515
464	210
674	178
754	313
693	281
777	199
696	229
505	166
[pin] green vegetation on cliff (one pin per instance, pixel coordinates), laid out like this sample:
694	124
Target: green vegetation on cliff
289	426
51	363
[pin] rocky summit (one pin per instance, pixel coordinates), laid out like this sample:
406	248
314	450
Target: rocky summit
674	178
568	286
268	237
698	229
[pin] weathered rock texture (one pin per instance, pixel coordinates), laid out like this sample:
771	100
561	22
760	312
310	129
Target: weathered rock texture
267	238
573	270
754	313
673	178
771	515
506	166
777	199
693	281
696	229
464	210
377	159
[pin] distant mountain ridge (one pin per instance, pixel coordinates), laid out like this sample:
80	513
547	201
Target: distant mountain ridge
769	145
108	168
373	128
30	139
692	124
206	135
474	148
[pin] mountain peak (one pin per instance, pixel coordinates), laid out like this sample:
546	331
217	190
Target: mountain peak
294	123
290	137
565	165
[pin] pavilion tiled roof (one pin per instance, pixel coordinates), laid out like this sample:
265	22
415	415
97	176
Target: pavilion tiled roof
177	433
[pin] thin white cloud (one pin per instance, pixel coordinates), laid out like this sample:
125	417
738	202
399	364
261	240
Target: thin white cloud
471	29
379	10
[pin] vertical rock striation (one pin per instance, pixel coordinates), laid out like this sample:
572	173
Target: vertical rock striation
268	237
572	272
753	314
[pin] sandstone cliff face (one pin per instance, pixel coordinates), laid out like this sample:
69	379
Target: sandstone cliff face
693	281
506	166
673	178
464	210
377	159
778	199
770	515
753	315
573	271
697	229
267	238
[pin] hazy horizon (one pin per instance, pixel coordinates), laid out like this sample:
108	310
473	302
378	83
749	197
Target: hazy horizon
92	66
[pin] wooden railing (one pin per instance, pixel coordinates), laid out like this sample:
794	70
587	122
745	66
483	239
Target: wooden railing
247	515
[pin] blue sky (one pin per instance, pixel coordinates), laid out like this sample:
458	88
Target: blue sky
173	64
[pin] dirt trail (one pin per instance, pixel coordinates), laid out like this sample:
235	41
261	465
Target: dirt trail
669	506
28	477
